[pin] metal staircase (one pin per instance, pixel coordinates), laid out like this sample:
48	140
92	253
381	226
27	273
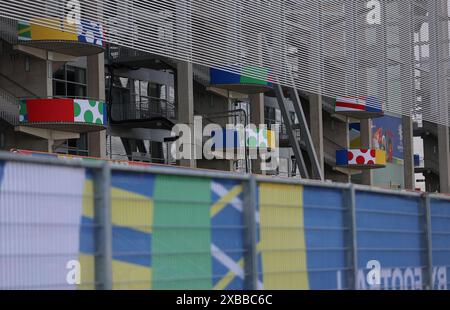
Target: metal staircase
9	108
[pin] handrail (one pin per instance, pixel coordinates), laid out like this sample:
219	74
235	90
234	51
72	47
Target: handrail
142	109
18	85
60	97
9	107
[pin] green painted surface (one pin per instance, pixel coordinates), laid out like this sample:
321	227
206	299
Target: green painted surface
181	238
23	108
261	74
76	109
391	177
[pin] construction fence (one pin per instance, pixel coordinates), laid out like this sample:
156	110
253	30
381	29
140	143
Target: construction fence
74	224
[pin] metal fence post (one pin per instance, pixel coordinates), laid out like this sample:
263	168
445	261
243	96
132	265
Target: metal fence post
351	203
103	228
429	244
250	254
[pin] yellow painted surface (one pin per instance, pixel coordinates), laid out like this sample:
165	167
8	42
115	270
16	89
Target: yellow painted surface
355	143
87	272
282	236
128	209
88	199
271	139
131	277
53	30
131	210
380	157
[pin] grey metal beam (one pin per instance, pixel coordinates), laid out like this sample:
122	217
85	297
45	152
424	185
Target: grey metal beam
350	203
250	255
429	243
103	228
306	135
295	144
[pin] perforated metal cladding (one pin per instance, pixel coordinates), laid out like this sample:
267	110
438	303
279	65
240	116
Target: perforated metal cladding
328	44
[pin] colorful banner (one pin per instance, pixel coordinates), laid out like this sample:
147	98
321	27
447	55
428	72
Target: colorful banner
248	76
387	135
360	158
58	110
346	104
56	29
180	232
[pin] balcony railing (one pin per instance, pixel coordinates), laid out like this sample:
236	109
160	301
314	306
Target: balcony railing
70	114
145	108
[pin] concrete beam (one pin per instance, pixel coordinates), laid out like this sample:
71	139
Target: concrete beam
43	54
47	133
227	94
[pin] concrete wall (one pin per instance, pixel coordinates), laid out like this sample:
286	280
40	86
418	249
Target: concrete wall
207	104
20	82
14	140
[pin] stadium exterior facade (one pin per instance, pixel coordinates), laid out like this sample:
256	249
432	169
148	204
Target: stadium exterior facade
110	79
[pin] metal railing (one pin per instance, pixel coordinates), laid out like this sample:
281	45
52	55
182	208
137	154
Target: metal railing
162	227
144	108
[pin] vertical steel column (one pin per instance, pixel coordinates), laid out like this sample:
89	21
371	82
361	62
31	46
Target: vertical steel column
429	244
306	134
250	254
350	202
103	228
295	144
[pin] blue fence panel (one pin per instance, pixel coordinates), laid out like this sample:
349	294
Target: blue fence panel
440	227
327	234
391	230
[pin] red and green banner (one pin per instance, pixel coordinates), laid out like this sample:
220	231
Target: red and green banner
58	110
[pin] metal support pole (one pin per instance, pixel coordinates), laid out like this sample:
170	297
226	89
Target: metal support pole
250	254
295	144
103	228
306	135
429	244
351	205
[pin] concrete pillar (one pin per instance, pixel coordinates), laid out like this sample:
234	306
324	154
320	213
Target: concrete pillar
444	158
49	78
366	143
408	153
256	118
185	100
408	93
96	90
316	126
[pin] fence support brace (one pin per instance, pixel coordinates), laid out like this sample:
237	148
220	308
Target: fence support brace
351	203
102	228
250	255
429	259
